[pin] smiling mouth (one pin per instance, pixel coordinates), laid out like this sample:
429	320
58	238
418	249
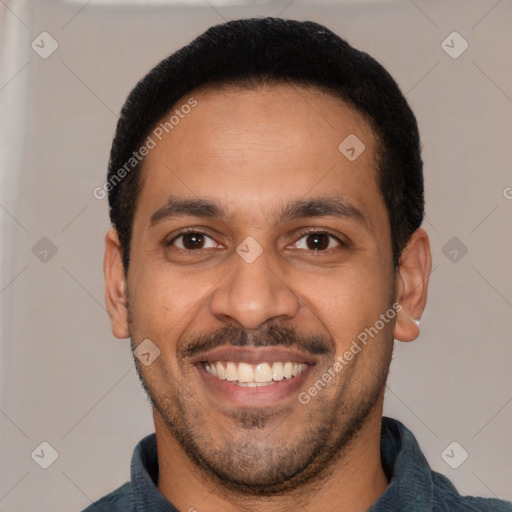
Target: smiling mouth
254	375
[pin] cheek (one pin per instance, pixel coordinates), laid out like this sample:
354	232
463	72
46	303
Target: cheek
346	302
162	302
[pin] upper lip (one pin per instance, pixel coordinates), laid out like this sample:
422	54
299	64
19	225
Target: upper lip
254	355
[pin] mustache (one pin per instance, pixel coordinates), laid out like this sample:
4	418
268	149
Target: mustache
273	336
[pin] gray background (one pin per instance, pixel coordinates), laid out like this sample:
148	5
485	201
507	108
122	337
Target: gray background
64	378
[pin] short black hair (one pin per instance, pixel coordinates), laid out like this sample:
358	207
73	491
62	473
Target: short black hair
247	52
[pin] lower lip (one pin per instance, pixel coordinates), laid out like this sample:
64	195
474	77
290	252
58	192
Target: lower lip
259	396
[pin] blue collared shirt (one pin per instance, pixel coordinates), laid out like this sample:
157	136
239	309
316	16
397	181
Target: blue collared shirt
413	486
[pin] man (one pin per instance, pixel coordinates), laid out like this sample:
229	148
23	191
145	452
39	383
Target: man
266	196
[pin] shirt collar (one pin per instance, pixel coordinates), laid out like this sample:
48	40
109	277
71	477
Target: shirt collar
145	496
409	474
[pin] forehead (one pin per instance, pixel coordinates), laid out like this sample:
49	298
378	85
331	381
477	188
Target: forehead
254	147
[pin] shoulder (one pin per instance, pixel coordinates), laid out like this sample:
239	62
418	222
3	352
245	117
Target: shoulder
447	499
117	500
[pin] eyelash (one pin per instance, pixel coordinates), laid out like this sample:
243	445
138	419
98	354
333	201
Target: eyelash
310	231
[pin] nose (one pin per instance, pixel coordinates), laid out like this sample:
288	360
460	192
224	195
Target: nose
254	293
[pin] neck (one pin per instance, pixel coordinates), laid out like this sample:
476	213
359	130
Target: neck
353	483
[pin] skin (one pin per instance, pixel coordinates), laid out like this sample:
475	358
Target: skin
252	151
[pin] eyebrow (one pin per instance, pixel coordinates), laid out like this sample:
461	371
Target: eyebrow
336	207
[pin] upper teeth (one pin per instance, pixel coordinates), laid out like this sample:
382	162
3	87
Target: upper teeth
253	374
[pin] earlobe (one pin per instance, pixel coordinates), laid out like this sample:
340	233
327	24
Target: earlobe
115	285
412	285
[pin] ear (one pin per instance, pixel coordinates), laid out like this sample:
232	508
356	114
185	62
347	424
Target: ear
115	285
412	285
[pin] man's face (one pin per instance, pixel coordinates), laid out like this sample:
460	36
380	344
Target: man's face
321	279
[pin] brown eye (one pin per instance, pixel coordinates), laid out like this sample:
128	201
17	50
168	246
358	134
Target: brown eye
191	241
317	241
